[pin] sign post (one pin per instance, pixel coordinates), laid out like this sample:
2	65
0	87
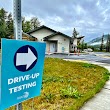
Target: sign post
19	106
17	19
17	28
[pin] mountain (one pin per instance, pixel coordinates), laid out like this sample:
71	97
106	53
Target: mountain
97	41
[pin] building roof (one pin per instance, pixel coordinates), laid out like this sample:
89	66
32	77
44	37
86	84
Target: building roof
43	26
27	34
80	37
23	33
57	33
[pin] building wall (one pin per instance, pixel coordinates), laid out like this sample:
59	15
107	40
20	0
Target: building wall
62	44
47	47
73	45
40	34
75	42
82	40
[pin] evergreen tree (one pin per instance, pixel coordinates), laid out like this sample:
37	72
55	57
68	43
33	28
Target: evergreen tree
82	45
9	24
2	23
75	33
108	44
102	43
85	45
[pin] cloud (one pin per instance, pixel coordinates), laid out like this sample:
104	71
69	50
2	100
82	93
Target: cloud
28	16
80	10
89	17
54	20
105	14
7	4
98	3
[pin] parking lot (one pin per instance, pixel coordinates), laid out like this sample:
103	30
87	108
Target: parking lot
92	56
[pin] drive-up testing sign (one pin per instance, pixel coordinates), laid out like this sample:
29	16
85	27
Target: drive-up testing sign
21	71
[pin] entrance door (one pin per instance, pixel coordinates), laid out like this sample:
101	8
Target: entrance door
52	47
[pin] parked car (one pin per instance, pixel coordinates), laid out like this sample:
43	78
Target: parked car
88	50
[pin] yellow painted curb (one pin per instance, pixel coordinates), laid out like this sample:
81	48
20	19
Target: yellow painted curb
84	61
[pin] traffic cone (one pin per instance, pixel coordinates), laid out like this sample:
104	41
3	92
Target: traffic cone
78	52
74	52
49	52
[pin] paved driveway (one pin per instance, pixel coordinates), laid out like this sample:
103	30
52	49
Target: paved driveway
93	56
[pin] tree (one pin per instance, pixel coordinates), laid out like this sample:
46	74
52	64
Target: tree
3	14
73	39
34	23
108	44
82	45
85	45
6	24
2	23
75	33
9	24
23	23
29	25
102	43
26	25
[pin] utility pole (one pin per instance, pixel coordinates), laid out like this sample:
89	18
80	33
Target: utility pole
17	29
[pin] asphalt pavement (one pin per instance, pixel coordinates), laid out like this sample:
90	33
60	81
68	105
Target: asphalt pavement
93	56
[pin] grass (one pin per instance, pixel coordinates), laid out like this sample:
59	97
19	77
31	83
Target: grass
67	85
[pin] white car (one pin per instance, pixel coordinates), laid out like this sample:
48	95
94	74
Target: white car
88	50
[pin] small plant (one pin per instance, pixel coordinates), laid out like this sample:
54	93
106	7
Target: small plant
70	92
107	75
49	97
87	65
50	79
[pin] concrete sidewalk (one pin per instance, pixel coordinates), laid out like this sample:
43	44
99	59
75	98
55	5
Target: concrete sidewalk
100	101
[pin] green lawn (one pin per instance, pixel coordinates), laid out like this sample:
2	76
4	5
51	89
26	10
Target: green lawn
67	85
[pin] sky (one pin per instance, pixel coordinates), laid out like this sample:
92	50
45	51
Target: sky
91	18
